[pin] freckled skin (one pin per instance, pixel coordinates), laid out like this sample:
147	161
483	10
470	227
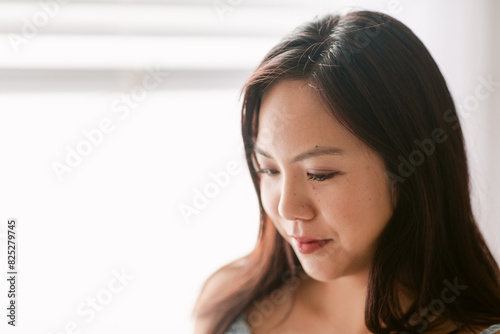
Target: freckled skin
352	208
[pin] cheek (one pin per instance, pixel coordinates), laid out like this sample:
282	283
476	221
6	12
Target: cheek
270	197
356	212
270	200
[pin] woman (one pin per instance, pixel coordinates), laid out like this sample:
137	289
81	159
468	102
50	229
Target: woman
357	156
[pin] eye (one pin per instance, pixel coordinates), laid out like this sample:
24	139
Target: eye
314	177
267	171
320	177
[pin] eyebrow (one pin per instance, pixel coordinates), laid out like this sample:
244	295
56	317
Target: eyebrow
317	151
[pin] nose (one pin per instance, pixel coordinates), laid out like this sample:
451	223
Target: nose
295	203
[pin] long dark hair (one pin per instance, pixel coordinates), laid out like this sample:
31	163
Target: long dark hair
380	82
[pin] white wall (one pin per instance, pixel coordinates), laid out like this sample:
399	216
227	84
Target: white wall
119	208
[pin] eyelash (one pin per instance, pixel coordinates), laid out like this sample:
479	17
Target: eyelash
314	177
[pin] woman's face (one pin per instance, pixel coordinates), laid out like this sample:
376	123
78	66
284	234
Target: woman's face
349	202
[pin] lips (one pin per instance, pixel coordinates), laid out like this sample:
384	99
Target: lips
307	245
306	239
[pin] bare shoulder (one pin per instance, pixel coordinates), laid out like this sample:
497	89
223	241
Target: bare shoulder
211	287
219	279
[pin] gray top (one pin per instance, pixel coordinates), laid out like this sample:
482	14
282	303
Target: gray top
240	326
490	330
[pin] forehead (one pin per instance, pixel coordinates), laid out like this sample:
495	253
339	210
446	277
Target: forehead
292	114
290	99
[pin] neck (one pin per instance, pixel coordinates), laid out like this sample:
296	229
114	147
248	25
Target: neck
340	303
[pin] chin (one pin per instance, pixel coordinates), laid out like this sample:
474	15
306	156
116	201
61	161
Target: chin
329	270
323	276
319	271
